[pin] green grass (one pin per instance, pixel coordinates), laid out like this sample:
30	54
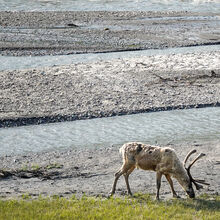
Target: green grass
139	207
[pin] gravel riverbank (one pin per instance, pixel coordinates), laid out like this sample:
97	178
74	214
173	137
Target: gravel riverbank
91	172
53	33
101	89
108	88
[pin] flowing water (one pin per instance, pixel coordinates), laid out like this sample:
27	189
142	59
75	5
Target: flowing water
25	62
158	127
110	5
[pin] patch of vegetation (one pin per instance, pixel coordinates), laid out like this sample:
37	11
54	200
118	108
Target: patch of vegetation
26	196
27	168
54	165
35	167
133	46
24	168
34	170
138	207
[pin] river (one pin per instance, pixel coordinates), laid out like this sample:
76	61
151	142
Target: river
111	5
158	127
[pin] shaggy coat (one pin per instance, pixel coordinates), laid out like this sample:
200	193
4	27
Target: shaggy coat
162	160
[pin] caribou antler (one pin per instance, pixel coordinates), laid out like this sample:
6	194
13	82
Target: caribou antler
187	156
194	181
197	158
201	181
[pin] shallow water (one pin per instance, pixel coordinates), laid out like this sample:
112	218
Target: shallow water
158	127
110	5
12	62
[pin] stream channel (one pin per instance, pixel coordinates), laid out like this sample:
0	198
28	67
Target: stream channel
109	5
26	62
163	127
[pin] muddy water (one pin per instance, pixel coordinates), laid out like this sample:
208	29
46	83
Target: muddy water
158	127
110	5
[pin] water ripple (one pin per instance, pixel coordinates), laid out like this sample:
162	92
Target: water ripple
158	127
110	5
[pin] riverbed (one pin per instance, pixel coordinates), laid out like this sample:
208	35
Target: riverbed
81	32
97	98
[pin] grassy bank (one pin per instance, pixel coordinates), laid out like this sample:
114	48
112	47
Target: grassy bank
139	207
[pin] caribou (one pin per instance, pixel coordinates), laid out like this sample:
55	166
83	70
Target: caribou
162	160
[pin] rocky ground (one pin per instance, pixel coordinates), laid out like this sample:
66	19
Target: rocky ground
101	89
41	33
107	88
91	172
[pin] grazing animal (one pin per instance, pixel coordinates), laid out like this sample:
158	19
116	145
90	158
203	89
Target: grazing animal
162	160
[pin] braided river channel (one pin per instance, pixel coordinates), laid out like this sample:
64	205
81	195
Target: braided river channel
165	127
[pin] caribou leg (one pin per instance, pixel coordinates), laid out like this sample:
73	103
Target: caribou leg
126	175
122	171
159	175
170	181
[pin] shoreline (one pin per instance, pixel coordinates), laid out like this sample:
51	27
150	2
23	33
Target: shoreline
91	172
6	123
107	88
